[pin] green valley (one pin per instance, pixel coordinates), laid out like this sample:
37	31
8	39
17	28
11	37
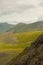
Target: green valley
14	39
10	49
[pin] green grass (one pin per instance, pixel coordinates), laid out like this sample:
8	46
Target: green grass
12	44
18	40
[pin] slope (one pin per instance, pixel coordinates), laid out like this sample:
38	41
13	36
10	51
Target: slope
30	56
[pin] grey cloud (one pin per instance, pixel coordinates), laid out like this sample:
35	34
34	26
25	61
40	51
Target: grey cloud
18	9
25	7
40	0
22	8
8	7
41	4
6	13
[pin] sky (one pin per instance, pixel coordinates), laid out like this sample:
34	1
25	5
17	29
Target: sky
16	11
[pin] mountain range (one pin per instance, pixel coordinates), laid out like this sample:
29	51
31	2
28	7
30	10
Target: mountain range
4	27
21	27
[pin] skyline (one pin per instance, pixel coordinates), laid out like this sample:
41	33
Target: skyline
16	11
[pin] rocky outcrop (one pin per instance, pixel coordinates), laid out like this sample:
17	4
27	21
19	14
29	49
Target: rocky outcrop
30	56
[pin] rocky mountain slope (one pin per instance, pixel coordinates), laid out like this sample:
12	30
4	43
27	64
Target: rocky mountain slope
32	55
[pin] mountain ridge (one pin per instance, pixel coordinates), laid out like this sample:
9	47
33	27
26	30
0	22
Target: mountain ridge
22	27
4	27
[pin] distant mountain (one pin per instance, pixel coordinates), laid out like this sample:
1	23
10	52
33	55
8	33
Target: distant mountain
22	27
4	27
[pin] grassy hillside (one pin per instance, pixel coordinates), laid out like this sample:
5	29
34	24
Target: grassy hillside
18	39
21	27
32	55
11	44
4	27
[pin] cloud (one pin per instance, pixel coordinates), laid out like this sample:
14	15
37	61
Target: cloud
12	11
41	4
11	6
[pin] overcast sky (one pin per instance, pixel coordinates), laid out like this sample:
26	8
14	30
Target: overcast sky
14	11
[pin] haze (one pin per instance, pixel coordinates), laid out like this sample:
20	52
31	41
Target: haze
16	11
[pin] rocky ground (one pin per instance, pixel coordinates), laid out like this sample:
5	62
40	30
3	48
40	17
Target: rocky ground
30	56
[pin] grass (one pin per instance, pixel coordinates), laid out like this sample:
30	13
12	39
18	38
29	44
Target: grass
18	40
12	44
9	54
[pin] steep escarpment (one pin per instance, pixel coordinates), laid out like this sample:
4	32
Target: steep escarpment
30	56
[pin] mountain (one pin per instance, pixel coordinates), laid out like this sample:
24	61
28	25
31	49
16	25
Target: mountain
4	27
22	27
17	28
30	56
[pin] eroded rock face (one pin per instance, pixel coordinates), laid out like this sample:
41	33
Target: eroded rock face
32	55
